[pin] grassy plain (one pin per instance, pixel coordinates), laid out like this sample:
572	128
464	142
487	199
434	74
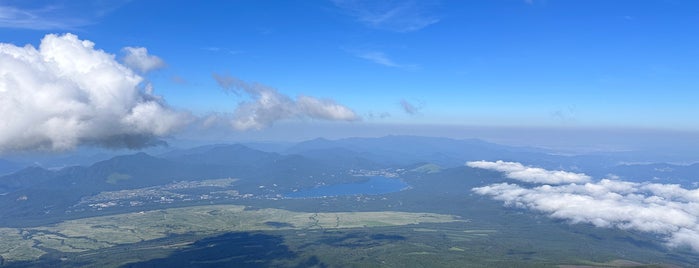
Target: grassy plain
21	244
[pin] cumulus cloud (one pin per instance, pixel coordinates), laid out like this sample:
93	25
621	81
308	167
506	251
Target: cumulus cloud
267	105
397	16
523	173
139	59
66	93
664	209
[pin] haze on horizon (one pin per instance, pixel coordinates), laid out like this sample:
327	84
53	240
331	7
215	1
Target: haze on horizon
563	74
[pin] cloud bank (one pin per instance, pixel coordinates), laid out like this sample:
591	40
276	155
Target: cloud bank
66	93
267	105
664	209
523	173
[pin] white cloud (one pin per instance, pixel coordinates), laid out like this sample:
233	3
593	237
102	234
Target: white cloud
520	172
224	50
60	14
396	15
39	19
378	58
138	58
67	93
267	106
664	209
324	109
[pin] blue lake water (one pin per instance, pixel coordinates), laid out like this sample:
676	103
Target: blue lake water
373	186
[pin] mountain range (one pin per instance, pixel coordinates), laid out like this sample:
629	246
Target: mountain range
35	192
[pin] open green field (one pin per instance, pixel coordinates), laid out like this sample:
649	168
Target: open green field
215	235
24	244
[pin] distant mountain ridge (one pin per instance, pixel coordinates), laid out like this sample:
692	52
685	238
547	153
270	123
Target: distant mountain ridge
28	192
405	150
35	192
7	166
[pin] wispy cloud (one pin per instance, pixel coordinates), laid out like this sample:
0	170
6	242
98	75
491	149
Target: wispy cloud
396	15
222	50
383	59
410	108
378	58
381	115
179	80
58	15
664	209
565	115
211	49
267	105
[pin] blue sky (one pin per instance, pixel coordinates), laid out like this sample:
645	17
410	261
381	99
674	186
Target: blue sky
514	63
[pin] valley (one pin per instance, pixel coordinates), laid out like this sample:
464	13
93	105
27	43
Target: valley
231	204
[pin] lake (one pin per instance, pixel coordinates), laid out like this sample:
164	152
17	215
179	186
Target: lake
374	186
